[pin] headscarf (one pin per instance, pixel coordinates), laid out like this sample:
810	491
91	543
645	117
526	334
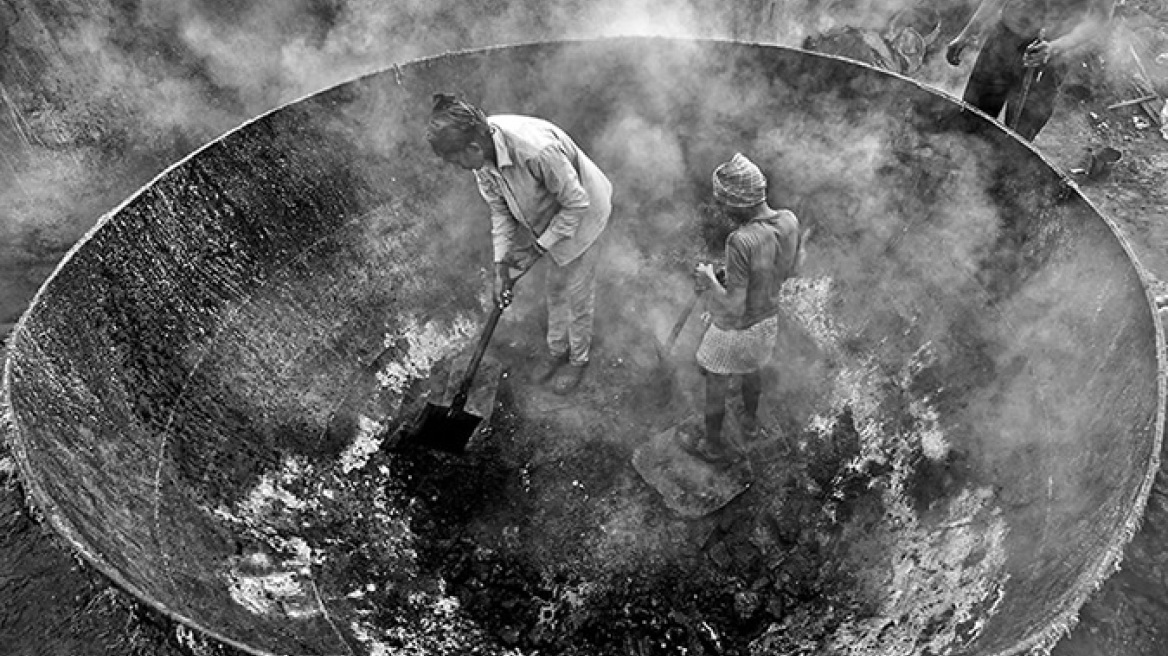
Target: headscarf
739	183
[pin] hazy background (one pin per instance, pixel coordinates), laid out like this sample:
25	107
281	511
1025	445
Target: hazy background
99	96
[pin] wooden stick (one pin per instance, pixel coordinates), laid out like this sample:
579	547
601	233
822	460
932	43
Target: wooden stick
1134	101
1149	106
1143	84
1140	65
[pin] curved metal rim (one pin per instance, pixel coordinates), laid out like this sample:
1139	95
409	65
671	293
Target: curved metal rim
1043	640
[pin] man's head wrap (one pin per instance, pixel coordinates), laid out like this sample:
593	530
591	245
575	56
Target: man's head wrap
739	183
454	124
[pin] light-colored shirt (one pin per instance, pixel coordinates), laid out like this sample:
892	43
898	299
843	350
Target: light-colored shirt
542	188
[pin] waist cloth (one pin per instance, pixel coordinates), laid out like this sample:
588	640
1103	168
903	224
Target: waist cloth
738	351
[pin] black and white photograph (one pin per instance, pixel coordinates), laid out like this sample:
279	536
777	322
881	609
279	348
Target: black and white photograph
583	327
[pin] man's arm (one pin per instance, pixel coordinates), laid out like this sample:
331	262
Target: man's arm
729	301
559	176
503	227
503	223
974	29
1089	30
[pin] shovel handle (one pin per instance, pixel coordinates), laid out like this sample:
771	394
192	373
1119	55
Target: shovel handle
689	308
1027	81
476	359
1032	73
484	339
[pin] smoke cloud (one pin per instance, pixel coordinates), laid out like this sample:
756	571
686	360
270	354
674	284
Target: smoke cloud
100	99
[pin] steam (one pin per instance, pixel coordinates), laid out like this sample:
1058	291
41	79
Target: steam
98	100
1135	60
234	63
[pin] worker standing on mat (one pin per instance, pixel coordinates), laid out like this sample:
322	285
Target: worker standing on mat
743	313
546	197
1026	54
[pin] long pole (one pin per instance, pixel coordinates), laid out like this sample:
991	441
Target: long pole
1033	73
1027	80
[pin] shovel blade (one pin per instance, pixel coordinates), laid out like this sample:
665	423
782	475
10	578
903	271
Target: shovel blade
656	389
443	429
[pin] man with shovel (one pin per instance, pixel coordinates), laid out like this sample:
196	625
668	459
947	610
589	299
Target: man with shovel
762	252
546	197
1026	55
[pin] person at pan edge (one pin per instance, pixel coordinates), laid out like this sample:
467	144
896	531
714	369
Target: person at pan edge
1026	54
743	314
545	197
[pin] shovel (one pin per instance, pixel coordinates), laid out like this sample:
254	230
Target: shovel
1027	81
663	374
449	428
1032	75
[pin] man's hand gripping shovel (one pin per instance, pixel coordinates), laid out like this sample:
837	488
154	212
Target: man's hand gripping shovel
450	428
1034	67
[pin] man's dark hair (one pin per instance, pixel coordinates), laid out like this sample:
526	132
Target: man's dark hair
455	124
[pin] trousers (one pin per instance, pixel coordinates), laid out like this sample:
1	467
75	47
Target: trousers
571	304
997	81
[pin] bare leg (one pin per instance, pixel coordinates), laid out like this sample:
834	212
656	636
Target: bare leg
716	386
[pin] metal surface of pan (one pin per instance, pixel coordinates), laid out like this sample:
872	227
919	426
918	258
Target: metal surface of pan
976	392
